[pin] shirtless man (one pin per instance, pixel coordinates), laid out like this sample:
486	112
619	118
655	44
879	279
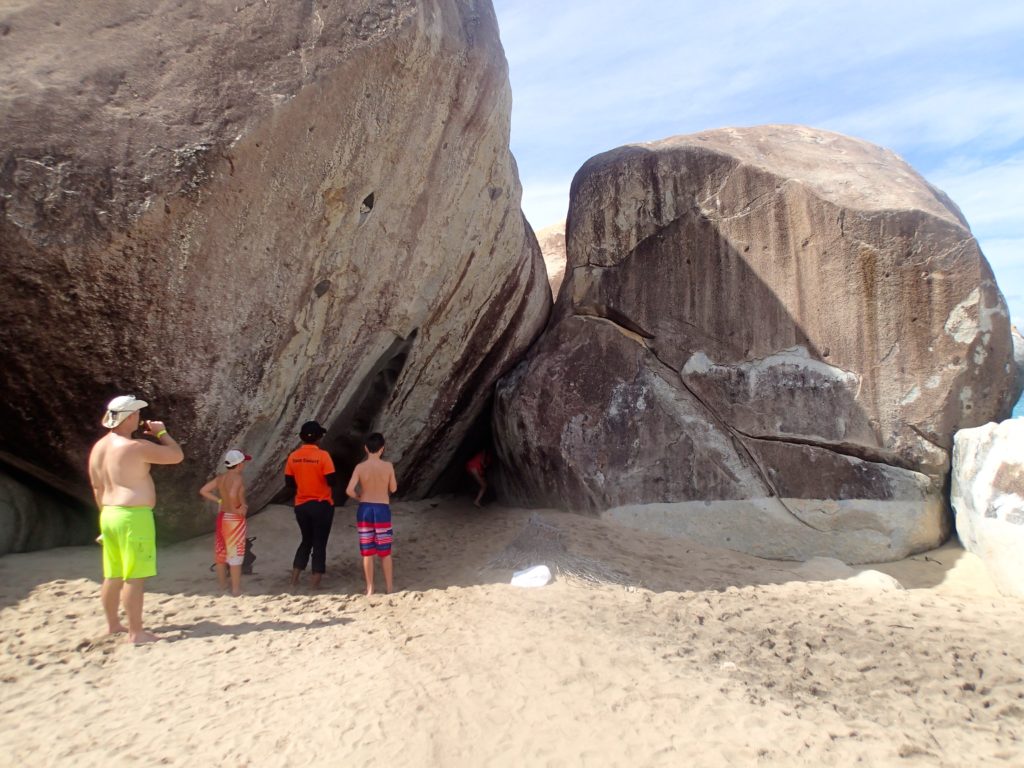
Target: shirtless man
228	491
119	472
371	485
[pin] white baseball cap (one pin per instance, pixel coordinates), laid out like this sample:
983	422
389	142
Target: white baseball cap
233	458
120	408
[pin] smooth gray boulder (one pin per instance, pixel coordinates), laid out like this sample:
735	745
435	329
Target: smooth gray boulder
31	518
251	215
988	499
776	315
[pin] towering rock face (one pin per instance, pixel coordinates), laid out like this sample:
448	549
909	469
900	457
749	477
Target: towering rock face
251	215
777	315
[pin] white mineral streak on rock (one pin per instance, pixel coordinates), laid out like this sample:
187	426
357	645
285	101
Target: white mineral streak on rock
966	401
911	396
766	370
964	321
699	362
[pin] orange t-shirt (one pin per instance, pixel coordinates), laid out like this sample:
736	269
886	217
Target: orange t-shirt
308	465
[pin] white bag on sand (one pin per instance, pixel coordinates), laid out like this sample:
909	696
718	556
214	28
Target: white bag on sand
534	576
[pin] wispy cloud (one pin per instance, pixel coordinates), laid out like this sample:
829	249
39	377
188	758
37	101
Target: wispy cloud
941	83
990	193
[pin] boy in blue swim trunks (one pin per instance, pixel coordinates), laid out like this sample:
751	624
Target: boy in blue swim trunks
371	485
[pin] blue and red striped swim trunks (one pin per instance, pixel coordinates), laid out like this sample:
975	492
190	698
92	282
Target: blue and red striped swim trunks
373	522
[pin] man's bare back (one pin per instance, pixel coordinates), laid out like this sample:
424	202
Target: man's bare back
376	481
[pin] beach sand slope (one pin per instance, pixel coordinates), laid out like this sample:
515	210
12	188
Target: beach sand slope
679	654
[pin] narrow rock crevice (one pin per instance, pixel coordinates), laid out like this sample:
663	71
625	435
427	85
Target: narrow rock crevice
860	452
347	432
917	431
614	316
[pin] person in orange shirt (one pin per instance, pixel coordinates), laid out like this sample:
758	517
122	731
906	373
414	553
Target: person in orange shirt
309	472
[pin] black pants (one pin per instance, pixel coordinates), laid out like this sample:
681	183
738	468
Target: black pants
315	519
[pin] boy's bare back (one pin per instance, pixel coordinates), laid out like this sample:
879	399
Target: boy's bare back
231	489
376	480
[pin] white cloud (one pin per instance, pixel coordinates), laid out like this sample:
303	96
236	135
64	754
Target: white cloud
941	83
989	194
987	114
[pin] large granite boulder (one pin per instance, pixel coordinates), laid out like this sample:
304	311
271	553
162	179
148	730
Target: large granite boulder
988	499
253	214
777	315
32	518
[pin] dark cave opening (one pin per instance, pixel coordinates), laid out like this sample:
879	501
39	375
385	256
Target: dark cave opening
480	436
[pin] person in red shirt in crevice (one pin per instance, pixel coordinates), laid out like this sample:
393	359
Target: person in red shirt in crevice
309	472
477	469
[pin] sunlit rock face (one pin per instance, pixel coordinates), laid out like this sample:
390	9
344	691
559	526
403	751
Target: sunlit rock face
552	246
776	315
988	499
250	215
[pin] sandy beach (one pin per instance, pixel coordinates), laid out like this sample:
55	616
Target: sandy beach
677	655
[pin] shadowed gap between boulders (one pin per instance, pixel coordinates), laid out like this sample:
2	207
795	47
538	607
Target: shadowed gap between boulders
347	433
479	437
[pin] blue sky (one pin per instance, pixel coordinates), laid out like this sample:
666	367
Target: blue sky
939	82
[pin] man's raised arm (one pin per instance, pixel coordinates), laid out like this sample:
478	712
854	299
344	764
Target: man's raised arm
167	452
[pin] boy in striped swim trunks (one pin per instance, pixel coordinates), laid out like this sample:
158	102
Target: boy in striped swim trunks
371	485
228	491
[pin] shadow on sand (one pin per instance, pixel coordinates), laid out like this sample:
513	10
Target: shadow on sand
442	544
214	629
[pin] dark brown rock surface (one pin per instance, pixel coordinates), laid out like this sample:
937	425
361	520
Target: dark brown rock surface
251	215
773	313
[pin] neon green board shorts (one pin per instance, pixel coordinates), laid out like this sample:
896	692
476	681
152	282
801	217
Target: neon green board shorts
129	542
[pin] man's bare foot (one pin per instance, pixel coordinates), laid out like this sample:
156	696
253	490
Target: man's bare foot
295	577
143	637
236	594
314	580
117	630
